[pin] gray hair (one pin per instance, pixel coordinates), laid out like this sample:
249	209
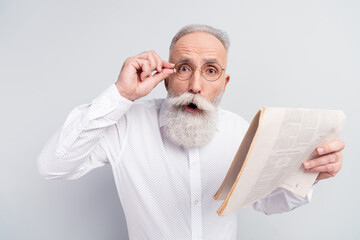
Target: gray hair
192	28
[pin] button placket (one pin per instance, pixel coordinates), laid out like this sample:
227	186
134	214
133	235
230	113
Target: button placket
195	186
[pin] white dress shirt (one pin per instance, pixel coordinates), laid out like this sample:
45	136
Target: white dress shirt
166	190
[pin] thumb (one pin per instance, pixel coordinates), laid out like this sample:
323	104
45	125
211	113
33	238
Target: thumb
151	82
159	76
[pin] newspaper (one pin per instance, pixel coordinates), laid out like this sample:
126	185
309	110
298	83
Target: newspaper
271	154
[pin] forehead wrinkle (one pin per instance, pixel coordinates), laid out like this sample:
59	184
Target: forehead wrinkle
199	48
191	50
189	55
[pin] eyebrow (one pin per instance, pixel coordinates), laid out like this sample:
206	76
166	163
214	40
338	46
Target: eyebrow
211	60
206	60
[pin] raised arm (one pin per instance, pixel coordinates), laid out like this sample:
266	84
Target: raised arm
79	145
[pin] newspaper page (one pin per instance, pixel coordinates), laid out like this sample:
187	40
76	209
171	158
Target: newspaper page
278	141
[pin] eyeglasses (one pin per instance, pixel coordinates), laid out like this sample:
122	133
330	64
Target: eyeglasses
210	71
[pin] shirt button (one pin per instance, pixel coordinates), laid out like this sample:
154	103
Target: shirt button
194	163
196	201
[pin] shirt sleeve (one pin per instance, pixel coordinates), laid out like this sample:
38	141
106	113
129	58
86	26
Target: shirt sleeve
281	200
78	146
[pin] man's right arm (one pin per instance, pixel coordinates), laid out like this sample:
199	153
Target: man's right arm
78	146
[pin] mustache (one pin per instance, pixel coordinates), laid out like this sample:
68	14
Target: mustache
191	98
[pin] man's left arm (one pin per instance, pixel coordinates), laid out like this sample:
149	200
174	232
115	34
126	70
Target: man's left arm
328	164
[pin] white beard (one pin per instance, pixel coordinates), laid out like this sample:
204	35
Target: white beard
190	129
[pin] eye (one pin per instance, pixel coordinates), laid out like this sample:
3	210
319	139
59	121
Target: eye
211	70
183	68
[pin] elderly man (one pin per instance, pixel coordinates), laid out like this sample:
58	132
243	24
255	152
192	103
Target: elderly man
169	156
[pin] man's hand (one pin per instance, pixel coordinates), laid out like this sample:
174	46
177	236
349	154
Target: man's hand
136	78
329	162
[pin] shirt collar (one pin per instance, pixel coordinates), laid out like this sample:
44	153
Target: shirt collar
162	116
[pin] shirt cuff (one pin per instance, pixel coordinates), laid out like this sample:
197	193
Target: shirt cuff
109	104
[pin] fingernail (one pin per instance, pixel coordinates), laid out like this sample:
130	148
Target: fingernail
306	165
320	150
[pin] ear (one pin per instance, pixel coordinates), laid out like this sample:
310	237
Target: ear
227	79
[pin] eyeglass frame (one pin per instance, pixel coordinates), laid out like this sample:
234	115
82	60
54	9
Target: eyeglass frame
193	68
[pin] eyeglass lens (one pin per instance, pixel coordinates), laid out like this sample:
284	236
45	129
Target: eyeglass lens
210	71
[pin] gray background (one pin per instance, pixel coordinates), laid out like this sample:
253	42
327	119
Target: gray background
55	55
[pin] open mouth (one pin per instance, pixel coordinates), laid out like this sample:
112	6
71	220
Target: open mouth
191	107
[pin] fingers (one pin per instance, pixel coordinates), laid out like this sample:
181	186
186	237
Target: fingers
143	67
328	168
159	76
167	64
153	59
141	73
325	159
329	159
155	62
154	80
333	146
327	165
152	62
148	62
147	70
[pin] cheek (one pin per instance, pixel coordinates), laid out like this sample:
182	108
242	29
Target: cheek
215	89
178	87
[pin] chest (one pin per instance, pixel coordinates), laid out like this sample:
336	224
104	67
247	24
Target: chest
151	159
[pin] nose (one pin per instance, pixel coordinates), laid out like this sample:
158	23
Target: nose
195	82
